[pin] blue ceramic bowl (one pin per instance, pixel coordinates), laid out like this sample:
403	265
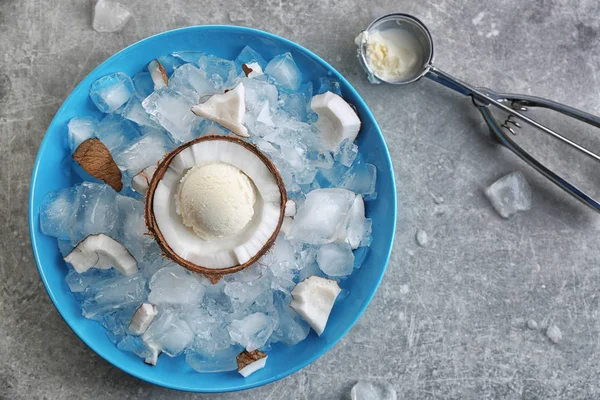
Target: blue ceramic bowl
227	42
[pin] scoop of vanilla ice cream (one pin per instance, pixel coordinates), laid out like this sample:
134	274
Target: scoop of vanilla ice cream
391	54
215	200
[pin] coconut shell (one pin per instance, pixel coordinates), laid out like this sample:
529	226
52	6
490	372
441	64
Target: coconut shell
95	158
246	358
247	70
165	77
213	275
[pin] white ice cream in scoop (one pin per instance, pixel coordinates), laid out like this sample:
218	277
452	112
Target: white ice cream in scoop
216	200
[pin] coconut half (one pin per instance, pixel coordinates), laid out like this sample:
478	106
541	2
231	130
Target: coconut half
196	202
101	251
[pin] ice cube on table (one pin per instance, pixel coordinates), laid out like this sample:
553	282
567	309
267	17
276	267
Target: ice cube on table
79	130
364	390
336	259
79	282
169	333
249	55
220	72
329	85
283	70
110	16
321	218
175	285
251	332
192	83
510	194
360	178
111	92
220	361
112	294
115	131
346	153
143	84
134	111
144	151
172	111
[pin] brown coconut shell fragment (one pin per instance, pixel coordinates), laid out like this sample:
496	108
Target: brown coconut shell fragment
246	358
247	70
213	275
95	158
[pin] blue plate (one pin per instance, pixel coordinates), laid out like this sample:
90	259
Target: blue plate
48	175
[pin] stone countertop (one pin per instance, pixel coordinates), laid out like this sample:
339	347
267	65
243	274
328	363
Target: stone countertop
450	319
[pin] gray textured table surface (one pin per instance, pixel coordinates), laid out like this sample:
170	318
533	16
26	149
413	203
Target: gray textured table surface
449	320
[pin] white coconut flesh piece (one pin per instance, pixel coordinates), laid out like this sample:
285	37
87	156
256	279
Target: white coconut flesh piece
152	359
290	208
352	233
337	119
252	70
286	226
158	74
313	299
226	109
141	181
251	361
142	317
199	206
101	251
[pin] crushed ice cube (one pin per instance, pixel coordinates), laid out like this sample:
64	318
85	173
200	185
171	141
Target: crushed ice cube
111	92
372	391
171	110
297	104
57	212
221	361
115	131
112	294
280	262
175	285
554	334
110	16
171	62
143	84
422	238
284	71
169	333
252	331
346	153
131	229
222	73
135	345
249	55
321	218
79	282
336	259
510	194
187	56
360	178
79	130
329	85
134	111
244	287
292	328
142	152
207	127
189	81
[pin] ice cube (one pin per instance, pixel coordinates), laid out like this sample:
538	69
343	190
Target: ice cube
110	16
171	110
132	233
169	333
135	345
422	238
175	285
143	84
96	212
244	287
134	111
297	104
249	55
79	282
207	127
187	56
192	83
144	151
57	212
221	361
291	328
321	218
252	331
336	259
116	132
283	71
210	332
170	63
112	294
346	153
372	391
280	261
258	93
329	85
111	92
79	130
510	194
116	321
360	178
222	73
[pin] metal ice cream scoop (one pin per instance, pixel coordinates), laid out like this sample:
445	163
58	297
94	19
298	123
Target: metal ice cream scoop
483	98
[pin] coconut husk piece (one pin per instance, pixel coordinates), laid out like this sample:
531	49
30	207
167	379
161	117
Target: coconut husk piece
95	158
246	358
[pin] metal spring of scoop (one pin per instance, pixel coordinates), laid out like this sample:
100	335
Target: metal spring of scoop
521	103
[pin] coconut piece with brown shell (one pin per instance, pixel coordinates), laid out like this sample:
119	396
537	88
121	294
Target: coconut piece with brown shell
215	205
249	362
95	158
